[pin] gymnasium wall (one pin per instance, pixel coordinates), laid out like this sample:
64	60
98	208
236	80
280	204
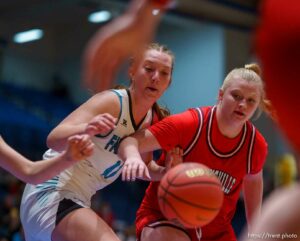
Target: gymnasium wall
204	51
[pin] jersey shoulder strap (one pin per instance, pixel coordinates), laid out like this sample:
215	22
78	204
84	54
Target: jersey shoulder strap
197	133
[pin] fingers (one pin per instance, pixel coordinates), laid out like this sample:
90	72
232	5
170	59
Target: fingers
101	124
124	172
80	147
88	149
133	170
177	151
109	120
129	172
174	157
85	142
146	173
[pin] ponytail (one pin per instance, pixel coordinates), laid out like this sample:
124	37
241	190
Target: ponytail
160	111
265	105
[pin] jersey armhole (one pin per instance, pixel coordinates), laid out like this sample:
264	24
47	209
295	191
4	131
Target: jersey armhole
120	113
250	151
196	136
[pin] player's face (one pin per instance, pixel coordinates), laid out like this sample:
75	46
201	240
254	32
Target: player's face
152	76
240	99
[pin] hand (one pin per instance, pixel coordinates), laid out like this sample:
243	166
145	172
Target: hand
111	46
79	147
133	168
100	124
173	158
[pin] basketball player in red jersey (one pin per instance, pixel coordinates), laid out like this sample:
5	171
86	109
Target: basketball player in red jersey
277	46
278	31
222	138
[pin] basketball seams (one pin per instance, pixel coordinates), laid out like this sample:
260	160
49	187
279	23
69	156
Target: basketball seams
166	188
177	194
180	216
189	203
195	183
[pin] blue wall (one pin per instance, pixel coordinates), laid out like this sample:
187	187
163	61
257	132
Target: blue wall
199	63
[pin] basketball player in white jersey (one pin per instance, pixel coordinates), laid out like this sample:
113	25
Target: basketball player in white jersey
59	209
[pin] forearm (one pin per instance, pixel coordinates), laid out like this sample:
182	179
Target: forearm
253	193
14	162
140	142
40	171
28	171
129	147
58	137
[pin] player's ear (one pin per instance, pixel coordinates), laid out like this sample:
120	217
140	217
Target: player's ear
220	95
132	70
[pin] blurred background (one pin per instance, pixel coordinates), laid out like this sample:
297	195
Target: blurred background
40	83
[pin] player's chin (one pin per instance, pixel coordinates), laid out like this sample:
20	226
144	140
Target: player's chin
153	95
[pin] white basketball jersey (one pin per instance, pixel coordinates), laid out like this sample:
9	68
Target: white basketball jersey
104	166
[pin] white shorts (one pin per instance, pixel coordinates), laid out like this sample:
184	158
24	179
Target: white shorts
42	207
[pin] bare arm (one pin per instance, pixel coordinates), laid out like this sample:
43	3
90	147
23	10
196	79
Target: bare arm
130	149
125	35
79	147
280	215
253	192
155	171
96	116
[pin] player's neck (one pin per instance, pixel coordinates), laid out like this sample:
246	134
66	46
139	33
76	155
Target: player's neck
226	127
140	106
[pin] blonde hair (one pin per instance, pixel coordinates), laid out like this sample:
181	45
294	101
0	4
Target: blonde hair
161	111
252	73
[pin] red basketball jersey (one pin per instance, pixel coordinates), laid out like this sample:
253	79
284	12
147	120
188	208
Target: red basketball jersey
196	132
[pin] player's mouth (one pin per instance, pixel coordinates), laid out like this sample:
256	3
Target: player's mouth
152	89
239	113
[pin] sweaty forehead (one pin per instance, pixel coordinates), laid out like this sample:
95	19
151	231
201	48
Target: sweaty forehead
158	57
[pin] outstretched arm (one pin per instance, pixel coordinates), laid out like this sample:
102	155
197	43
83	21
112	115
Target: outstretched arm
118	40
79	148
280	215
130	149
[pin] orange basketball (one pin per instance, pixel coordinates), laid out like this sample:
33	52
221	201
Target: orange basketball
190	194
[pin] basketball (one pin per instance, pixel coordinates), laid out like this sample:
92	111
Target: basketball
190	194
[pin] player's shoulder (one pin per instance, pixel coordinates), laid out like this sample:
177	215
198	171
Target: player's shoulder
109	96
188	115
104	102
260	141
197	111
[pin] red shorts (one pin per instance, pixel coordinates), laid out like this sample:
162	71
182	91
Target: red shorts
150	217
